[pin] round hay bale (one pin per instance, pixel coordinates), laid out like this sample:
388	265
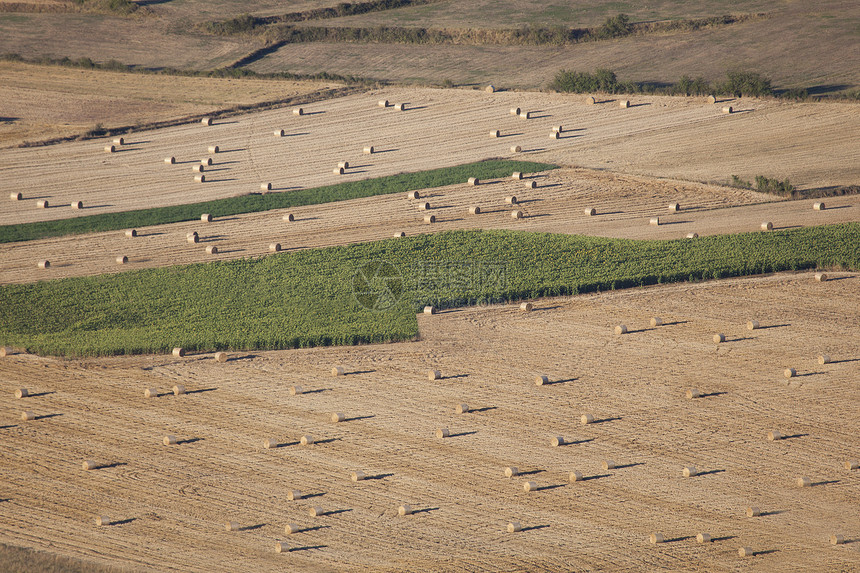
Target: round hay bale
192	237
214	149
516	149
624	104
298	111
746	552
368	150
413	195
170	160
423	206
474	210
22	393
291	528
767	226
790	372
526	306
689	471
27	416
694	393
269	443
296	390
294	495
824	359
516	214
169	440
102	520
821	277
207	121
400	107
803	482
575	476
404	509
197	169
586	419
44	264
819	206
495	133
674	207
288	217
178	390
621	329
89	465
206	161
608	465
656	321
511	471
265	186
442	433
399	234
541	379
692	235
221	357
703	538
306	440
434	375
109	148
344	164
753	325
42	204
357	476
517	175
837	539
338	371
274	247
557	441
15	196
131	233
530	486
382	103
6	351
590	100
655	221
554	135
200	178
231	526
337	417
279	133
557	129
590	211
474	181
512	200
206	218
211	250
150	393
753	511
514	527
430	219
179	352
490	89
720	337
774	436
711	99
337	170
77	205
515	111
282	547
657	538
728	109
531	184
851	464
429	310
525	114
121	260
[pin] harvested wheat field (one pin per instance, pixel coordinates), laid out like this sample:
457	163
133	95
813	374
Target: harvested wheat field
438	128
166	506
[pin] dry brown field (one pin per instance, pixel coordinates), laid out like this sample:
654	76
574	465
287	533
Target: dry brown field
168	505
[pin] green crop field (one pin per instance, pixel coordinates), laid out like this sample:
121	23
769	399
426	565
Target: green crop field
258	202
370	292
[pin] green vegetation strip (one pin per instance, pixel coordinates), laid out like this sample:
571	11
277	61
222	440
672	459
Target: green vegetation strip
258	202
369	293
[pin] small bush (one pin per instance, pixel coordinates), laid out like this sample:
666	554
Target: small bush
738	182
739	83
601	80
615	27
766	185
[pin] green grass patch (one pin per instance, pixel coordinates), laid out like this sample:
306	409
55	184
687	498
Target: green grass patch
258	202
369	293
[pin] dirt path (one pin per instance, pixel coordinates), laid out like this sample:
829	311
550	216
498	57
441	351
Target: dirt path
168	504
